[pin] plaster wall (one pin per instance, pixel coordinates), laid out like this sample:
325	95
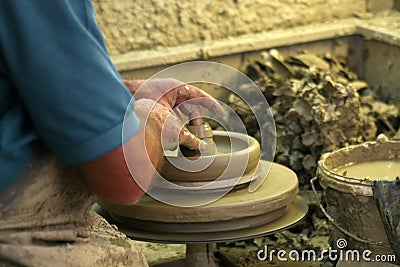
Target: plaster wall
148	24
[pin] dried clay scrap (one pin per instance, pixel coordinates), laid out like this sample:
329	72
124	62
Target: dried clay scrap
318	105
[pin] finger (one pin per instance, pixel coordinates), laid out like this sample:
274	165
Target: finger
178	113
192	111
174	133
189	140
199	97
159	89
196	121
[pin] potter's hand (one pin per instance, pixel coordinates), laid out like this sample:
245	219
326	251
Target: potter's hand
171	92
167	125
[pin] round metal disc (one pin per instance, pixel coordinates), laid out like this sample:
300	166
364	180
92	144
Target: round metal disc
201	227
295	212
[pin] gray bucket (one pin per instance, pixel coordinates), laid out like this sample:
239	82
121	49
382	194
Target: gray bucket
350	206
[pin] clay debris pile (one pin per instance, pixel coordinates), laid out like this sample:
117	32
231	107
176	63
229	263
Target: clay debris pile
318	104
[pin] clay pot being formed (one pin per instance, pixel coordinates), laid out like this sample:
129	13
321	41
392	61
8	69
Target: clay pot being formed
237	154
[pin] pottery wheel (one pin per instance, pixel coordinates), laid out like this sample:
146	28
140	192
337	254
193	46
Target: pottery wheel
295	212
266	204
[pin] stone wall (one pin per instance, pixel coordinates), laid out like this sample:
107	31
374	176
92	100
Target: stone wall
147	24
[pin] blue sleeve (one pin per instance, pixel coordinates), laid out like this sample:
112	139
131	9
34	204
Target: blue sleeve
57	60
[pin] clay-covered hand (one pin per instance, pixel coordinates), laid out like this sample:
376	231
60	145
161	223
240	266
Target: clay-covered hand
159	118
171	92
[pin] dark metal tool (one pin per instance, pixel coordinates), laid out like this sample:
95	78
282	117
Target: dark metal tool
387	198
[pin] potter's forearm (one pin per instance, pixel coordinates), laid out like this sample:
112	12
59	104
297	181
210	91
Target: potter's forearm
123	175
144	155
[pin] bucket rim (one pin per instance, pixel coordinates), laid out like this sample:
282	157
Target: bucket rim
357	186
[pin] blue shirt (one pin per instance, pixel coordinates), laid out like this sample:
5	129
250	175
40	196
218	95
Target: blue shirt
58	85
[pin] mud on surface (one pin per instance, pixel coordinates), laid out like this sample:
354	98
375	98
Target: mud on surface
319	105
